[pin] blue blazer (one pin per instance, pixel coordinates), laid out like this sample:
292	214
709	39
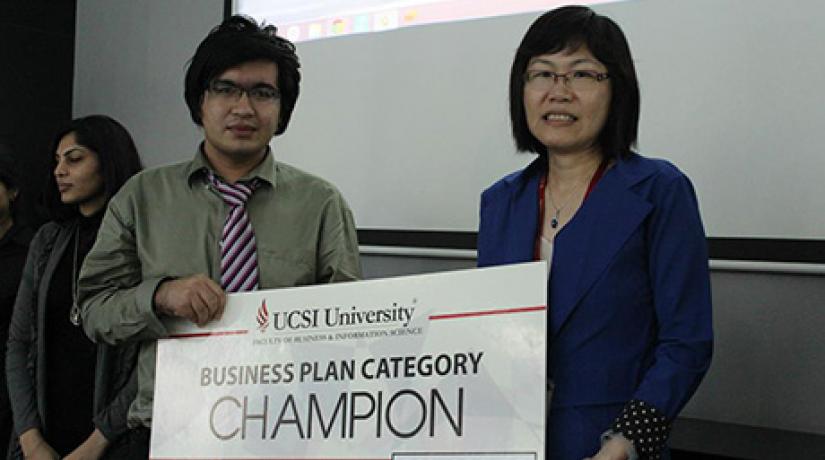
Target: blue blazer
629	293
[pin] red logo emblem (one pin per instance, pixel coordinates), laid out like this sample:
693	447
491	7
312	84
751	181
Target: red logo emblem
263	317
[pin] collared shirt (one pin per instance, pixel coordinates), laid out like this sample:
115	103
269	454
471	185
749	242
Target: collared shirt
167	222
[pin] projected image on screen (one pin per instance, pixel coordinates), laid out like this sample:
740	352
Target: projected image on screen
302	20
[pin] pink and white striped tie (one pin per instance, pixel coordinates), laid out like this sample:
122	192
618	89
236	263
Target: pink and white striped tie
239	259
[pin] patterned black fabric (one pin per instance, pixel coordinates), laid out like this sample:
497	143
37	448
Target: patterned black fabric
645	427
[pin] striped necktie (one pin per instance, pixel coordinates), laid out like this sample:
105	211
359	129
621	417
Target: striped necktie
239	259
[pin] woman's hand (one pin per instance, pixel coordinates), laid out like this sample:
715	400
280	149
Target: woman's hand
35	447
614	449
92	448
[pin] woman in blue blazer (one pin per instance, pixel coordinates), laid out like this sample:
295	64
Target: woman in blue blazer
629	331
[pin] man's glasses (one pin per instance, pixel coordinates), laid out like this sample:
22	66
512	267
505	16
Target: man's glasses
229	91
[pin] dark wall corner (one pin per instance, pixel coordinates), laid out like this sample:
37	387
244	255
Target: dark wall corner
37	40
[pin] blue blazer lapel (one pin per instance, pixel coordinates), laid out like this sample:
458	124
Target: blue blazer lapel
584	248
522	217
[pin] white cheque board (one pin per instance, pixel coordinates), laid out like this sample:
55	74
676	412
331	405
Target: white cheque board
443	366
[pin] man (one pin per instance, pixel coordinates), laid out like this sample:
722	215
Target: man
175	239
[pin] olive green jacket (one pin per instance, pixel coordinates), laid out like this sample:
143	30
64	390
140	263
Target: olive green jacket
167	222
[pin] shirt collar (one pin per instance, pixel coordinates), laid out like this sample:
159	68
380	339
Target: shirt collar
265	171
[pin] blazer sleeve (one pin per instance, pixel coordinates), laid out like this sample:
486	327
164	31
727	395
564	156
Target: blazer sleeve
679	273
22	342
112	421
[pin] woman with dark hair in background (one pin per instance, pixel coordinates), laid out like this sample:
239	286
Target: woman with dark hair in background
69	396
629	312
14	244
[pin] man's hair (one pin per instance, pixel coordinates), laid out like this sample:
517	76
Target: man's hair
237	40
116	153
568	28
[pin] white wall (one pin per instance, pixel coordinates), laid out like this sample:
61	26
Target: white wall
130	60
411	124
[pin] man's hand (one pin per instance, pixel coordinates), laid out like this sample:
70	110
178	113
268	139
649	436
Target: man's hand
614	449
196	298
91	449
35	447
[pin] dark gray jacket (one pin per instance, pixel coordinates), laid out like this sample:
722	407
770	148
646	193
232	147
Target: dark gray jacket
115	384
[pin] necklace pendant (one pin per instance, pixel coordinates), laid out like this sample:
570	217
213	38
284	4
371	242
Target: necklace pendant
554	222
74	314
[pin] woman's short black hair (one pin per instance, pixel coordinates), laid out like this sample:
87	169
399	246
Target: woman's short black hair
237	40
568	28
116	153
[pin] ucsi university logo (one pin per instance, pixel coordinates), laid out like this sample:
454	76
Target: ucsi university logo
331	317
263	317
